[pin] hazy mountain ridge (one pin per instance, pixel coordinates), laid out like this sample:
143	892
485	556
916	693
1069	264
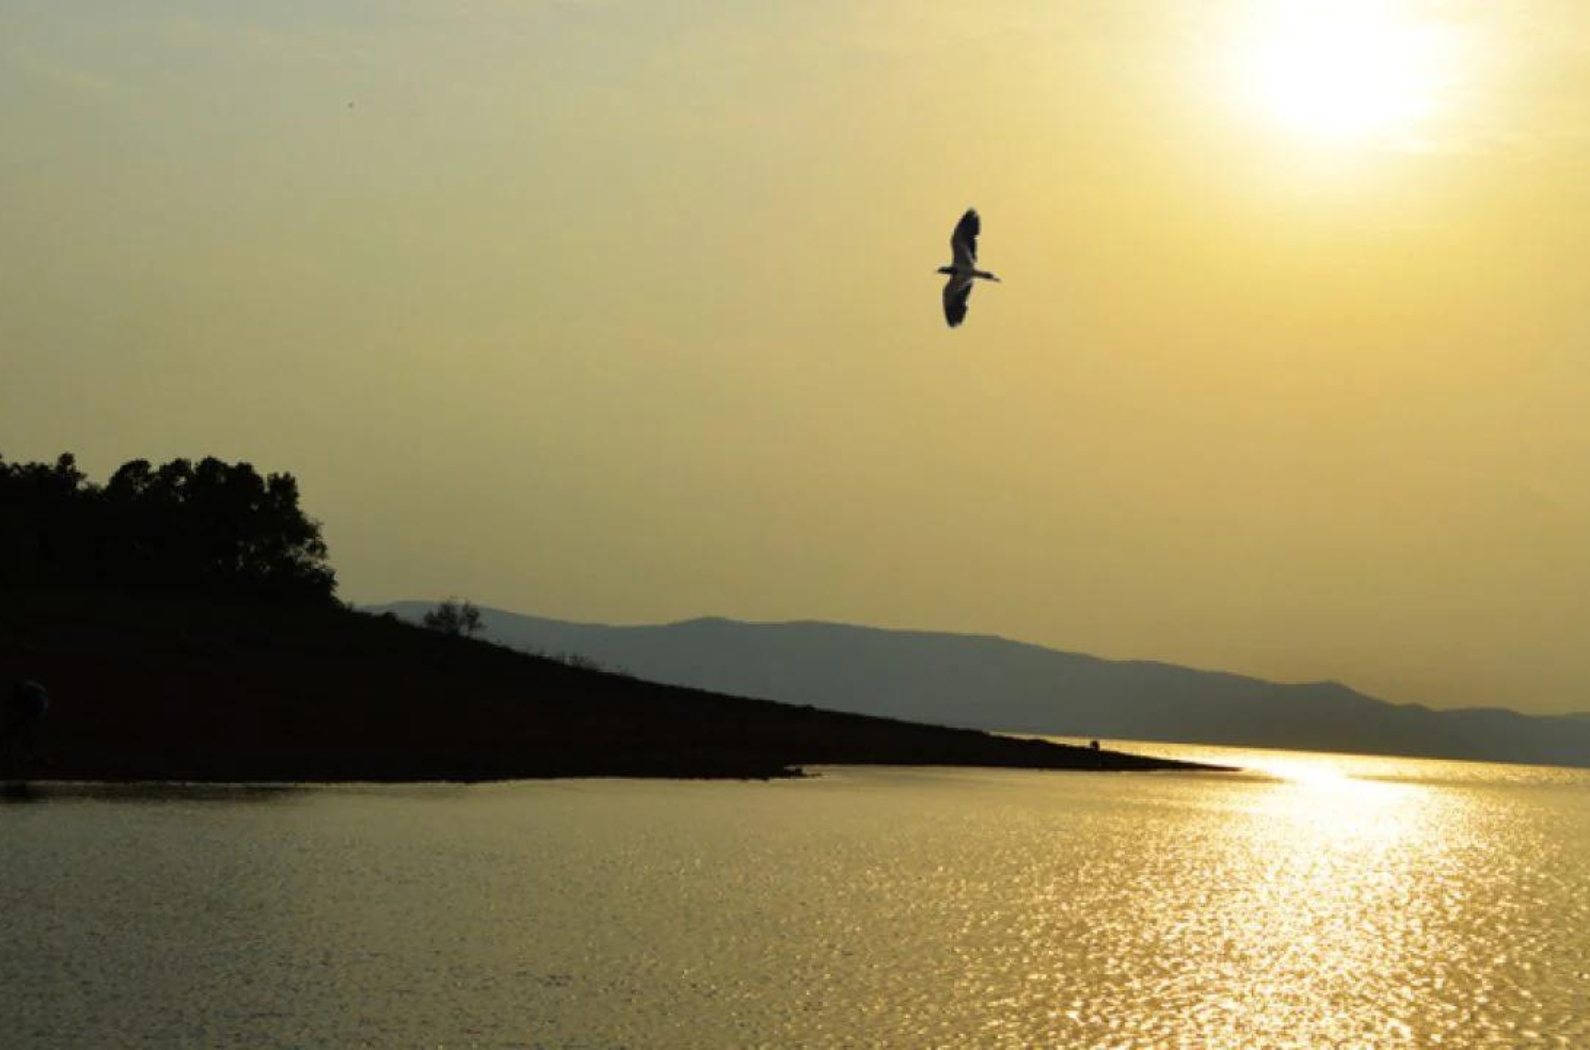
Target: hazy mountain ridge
987	682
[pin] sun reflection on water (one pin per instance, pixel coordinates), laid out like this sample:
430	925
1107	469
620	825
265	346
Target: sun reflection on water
1325	883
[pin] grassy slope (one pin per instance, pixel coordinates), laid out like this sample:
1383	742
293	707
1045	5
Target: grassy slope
156	687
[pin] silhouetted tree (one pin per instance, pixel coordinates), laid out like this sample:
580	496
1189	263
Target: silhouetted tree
210	526
454	617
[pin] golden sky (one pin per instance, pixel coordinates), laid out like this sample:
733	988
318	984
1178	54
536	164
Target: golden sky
624	310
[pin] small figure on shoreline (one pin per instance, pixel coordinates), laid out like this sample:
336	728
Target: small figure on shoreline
24	708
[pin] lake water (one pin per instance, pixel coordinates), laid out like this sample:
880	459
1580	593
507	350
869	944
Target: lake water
1329	902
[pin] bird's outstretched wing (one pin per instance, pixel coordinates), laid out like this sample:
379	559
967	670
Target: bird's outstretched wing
957	290
963	242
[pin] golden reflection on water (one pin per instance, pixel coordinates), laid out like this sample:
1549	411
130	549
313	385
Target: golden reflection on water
1312	902
1319	917
1305	925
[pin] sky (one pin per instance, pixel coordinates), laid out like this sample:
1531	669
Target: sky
625	311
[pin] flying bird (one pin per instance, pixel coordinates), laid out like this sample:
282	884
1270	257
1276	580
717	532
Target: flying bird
963	271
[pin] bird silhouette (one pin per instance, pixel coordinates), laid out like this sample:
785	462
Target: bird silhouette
963	270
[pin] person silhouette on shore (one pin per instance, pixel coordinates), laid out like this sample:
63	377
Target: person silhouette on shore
20	715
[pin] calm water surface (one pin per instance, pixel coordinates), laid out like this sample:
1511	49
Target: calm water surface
1323	902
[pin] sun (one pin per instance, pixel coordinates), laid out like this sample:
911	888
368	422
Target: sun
1342	71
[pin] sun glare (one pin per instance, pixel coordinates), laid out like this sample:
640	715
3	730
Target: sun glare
1343	71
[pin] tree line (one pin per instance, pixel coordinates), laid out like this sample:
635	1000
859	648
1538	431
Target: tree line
210	526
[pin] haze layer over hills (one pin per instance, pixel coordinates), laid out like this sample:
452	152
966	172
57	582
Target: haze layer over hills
986	682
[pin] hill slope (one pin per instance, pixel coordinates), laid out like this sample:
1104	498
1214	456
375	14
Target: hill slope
168	688
992	683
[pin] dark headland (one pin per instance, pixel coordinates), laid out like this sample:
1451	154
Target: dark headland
171	687
184	618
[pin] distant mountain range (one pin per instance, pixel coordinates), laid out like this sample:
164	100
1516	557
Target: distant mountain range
984	682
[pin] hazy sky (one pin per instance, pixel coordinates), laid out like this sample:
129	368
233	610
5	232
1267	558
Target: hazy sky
624	310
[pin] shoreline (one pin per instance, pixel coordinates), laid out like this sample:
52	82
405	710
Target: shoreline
12	786
212	773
